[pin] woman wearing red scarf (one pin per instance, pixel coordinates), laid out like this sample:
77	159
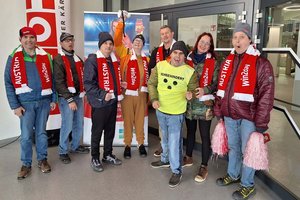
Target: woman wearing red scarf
134	71
202	59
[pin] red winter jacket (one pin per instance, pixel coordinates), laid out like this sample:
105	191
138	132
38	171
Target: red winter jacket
257	111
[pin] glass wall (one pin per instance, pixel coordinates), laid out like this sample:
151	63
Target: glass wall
136	4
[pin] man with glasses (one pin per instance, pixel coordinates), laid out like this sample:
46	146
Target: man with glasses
68	73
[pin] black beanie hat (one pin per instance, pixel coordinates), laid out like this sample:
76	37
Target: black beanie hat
180	45
140	36
103	37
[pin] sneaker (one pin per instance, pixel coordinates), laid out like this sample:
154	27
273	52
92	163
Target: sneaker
142	150
158	152
244	193
127	152
187	161
226	180
65	158
111	159
81	149
160	164
202	174
175	180
44	166
24	172
96	165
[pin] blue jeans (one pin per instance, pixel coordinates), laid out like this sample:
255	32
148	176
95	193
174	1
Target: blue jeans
238	133
34	119
71	121
171	127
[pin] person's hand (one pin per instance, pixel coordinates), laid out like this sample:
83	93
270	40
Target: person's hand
188	95
19	111
124	84
52	105
73	106
108	96
155	104
199	92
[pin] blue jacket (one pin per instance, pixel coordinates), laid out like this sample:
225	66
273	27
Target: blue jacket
96	95
34	82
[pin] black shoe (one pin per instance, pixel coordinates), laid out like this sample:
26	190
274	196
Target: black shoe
244	193
226	180
65	158
175	180
160	164
111	159
127	152
96	165
142	150
158	152
81	149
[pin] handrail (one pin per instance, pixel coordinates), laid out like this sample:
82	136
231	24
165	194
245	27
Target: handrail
289	118
289	50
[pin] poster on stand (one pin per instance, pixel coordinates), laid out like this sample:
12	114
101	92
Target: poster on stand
94	23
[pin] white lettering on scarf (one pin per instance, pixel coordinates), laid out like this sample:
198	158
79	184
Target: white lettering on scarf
205	78
224	72
45	72
105	77
133	76
245	76
17	72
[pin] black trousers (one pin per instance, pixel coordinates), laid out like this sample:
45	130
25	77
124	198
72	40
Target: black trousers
103	119
204	127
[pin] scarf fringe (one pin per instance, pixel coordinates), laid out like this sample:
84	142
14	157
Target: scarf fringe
207	97
220	93
144	89
23	89
243	97
120	97
81	94
46	92
72	90
132	92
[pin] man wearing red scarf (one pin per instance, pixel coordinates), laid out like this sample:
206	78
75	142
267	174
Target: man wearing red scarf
134	71
29	90
159	54
68	73
244	101
102	83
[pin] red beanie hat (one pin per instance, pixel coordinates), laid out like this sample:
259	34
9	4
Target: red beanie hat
27	31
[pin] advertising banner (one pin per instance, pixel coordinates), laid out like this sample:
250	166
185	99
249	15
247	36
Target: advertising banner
49	18
94	23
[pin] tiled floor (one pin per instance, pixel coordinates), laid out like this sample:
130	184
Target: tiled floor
134	179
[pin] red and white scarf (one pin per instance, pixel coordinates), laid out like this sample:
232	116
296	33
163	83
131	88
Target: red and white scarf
105	77
160	51
206	75
18	71
133	75
245	80
69	75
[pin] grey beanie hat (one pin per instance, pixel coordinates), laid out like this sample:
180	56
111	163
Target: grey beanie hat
103	37
180	45
243	27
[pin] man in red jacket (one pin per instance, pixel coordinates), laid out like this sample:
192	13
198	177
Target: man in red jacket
245	100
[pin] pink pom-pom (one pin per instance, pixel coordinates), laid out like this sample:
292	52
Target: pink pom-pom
256	152
219	143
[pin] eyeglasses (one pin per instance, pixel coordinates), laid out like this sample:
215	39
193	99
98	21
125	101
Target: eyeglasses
69	40
204	43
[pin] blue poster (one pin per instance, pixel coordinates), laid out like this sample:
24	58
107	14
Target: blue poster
96	22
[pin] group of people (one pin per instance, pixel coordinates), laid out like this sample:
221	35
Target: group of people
182	86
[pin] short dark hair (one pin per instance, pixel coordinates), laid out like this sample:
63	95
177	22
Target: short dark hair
166	26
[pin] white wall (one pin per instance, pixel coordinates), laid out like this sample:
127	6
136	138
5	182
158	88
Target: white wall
11	22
